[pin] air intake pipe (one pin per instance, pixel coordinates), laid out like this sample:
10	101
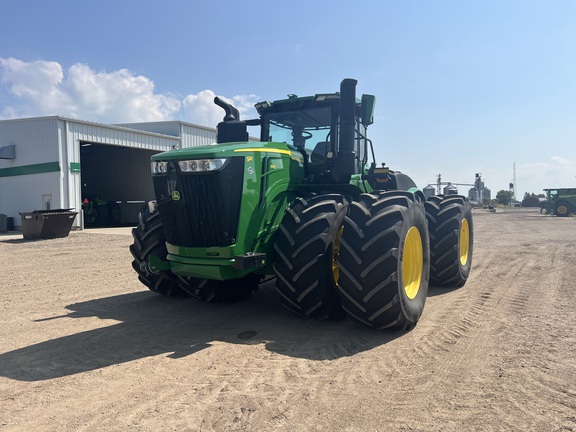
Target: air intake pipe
345	163
231	112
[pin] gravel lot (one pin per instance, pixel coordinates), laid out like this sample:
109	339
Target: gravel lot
84	346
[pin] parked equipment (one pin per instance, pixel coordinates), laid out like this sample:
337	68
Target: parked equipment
99	212
559	201
342	236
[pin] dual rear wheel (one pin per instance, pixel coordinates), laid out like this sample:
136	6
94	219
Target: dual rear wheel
451	239
372	258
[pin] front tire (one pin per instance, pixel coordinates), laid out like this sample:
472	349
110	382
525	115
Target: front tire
306	255
451	239
384	260
149	240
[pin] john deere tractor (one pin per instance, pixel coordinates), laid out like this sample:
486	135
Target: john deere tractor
559	201
308	204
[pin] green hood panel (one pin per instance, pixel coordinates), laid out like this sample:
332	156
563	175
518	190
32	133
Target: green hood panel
214	151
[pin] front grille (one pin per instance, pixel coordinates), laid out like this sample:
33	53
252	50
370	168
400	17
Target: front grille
207	211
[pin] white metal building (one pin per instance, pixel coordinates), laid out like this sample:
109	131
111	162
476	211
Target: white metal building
52	162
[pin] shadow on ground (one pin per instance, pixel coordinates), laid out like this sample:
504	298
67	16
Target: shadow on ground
152	325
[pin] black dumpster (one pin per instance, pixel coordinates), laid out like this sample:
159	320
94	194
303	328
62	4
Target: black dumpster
47	224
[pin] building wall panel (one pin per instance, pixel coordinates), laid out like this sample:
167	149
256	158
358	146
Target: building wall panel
28	193
193	136
79	132
164	127
36	141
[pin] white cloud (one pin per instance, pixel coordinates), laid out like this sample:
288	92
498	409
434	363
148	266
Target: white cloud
41	88
558	171
201	109
34	84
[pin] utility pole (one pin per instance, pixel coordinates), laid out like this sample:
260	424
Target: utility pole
512	186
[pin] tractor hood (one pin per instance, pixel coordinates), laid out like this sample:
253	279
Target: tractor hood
216	151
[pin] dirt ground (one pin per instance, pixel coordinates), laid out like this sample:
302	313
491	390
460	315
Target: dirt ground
85	347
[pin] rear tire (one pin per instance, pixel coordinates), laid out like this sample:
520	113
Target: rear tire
384	260
149	240
562	209
451	239
306	252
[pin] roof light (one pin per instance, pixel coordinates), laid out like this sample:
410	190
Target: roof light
326	96
262	106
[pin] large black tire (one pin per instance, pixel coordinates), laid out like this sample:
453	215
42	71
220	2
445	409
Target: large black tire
451	239
306	253
215	291
384	260
96	215
563	209
149	240
115	213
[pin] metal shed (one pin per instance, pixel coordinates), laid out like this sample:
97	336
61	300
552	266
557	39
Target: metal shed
53	162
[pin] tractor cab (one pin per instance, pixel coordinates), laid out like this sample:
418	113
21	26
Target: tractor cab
329	129
313	125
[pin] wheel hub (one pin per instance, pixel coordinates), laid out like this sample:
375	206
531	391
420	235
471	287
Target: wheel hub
412	262
464	241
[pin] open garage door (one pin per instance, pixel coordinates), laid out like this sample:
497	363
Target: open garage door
116	182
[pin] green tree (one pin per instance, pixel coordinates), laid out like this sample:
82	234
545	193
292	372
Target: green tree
532	195
504	197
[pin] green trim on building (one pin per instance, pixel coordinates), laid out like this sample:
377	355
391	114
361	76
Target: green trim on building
74	166
30	169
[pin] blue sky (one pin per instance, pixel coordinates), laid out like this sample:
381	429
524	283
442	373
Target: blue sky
462	87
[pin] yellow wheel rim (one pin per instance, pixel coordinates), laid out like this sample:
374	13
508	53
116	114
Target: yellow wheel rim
562	210
412	262
335	254
464	241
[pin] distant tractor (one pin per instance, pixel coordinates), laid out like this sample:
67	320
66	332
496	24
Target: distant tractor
99	212
342	236
559	201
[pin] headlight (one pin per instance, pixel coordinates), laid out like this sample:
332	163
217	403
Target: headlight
201	165
159	167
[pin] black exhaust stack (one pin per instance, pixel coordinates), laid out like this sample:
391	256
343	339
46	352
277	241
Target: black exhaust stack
345	163
231	129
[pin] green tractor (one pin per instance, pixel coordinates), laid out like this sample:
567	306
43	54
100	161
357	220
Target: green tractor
342	235
559	201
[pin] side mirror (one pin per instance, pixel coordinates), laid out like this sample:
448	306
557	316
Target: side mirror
368	104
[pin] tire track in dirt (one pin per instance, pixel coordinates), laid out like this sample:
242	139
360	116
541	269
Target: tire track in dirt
545	301
459	343
499	312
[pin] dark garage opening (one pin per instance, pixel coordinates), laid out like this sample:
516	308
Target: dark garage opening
116	182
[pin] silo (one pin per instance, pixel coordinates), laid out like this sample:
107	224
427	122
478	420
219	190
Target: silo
450	190
429	191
